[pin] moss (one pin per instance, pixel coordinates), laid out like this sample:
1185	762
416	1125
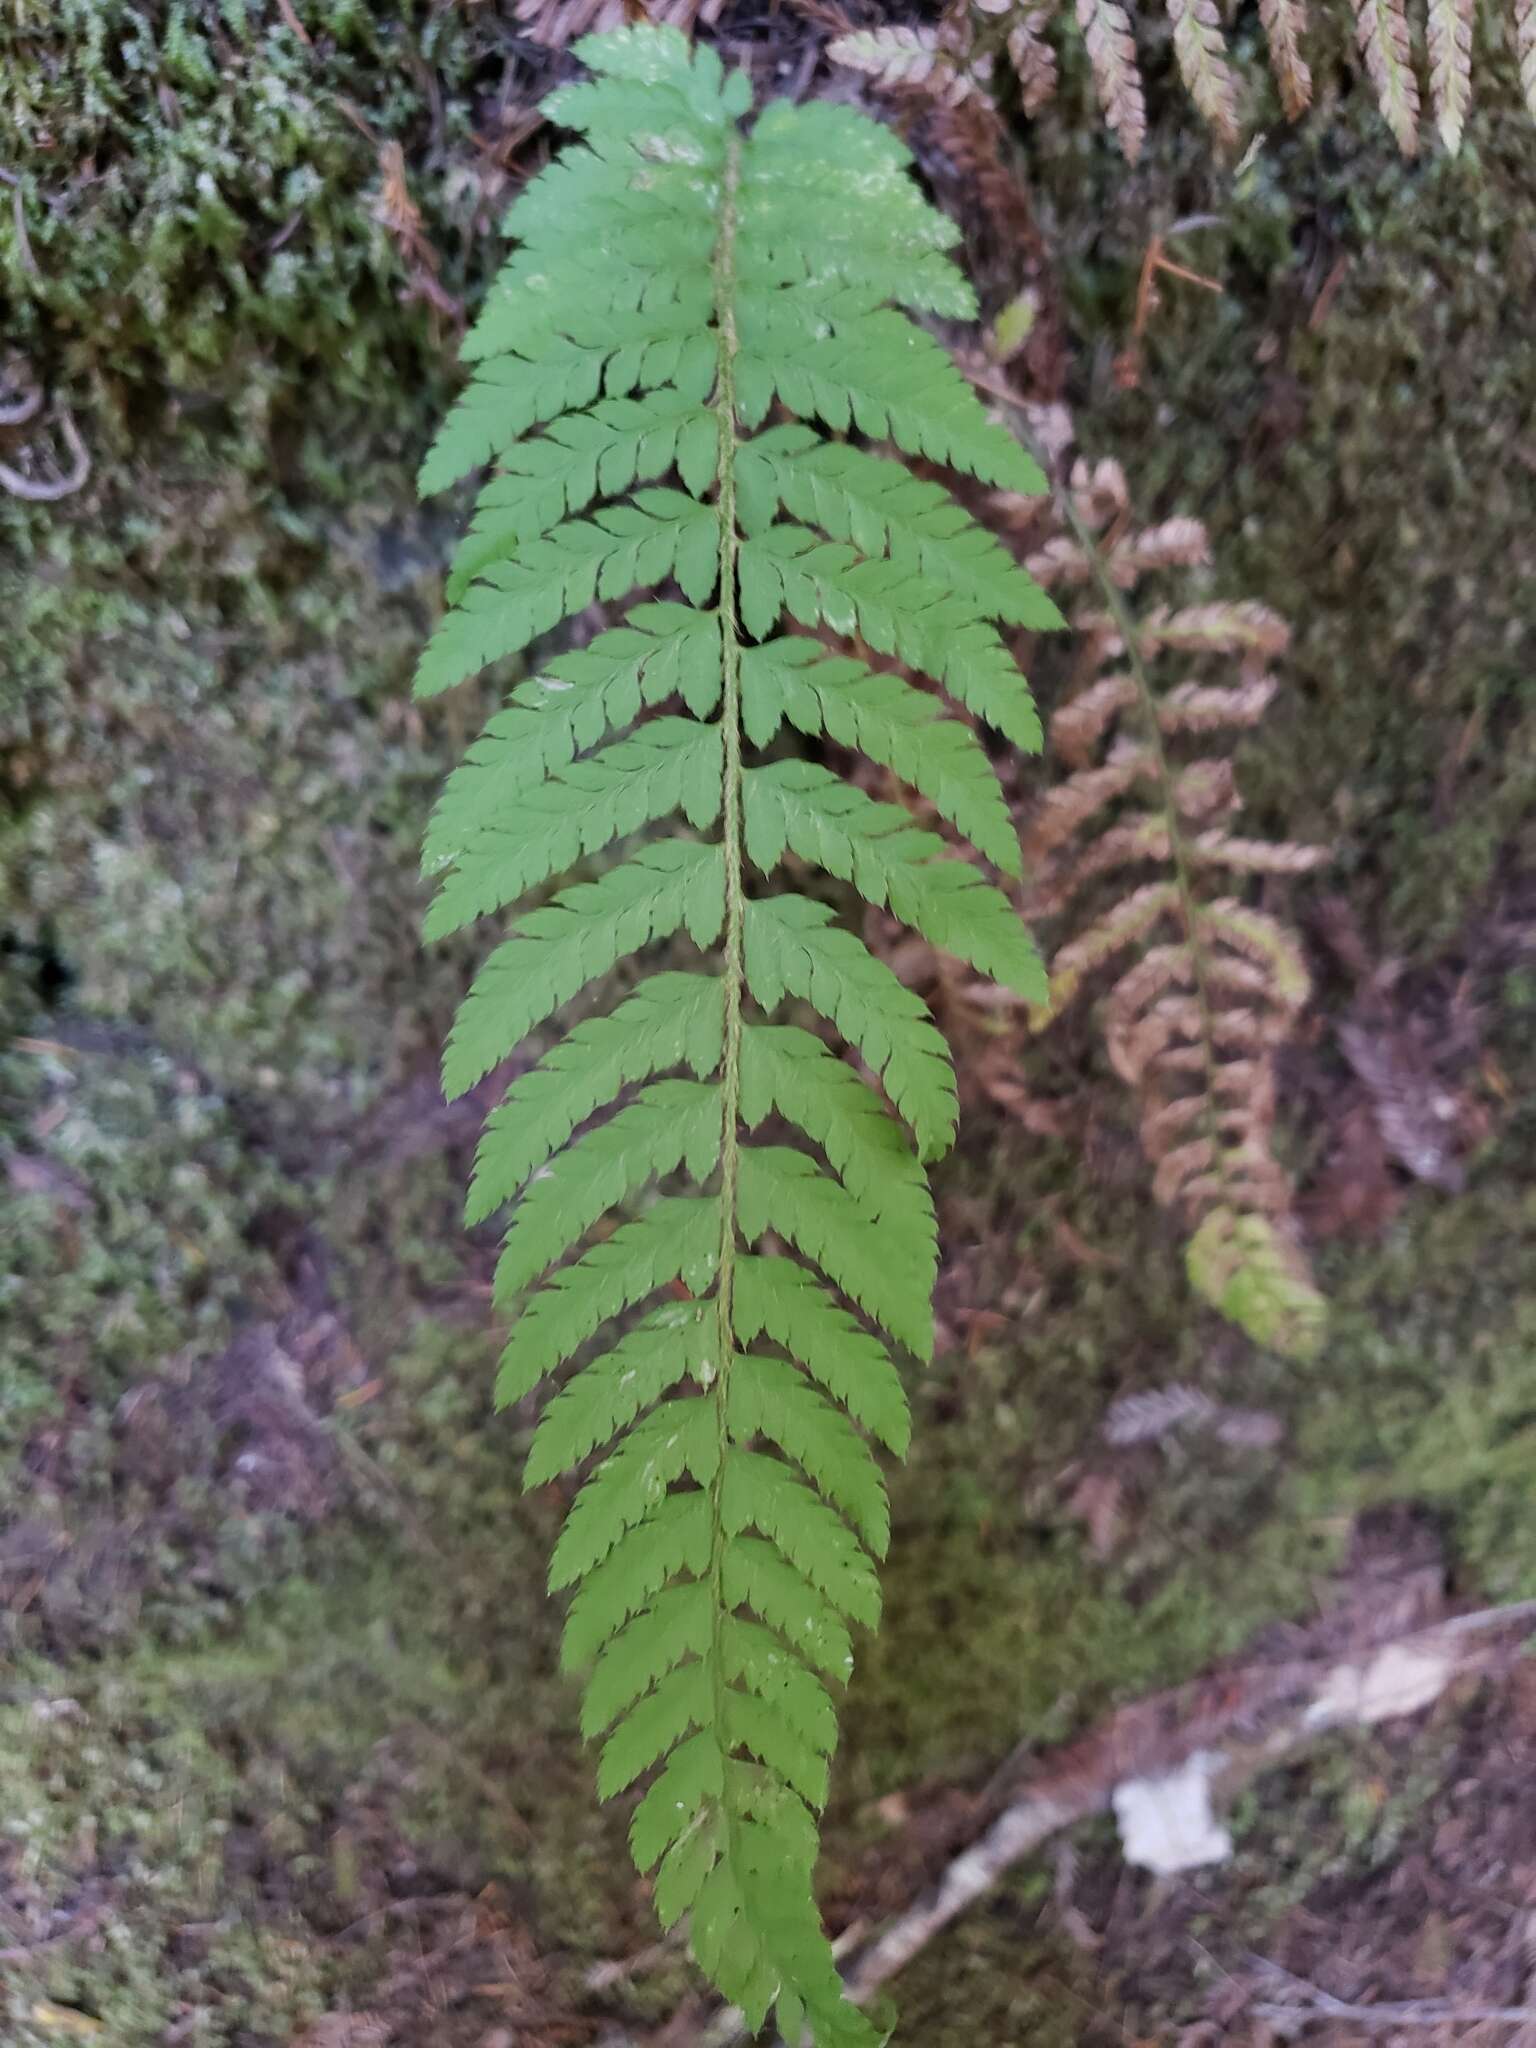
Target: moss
198	190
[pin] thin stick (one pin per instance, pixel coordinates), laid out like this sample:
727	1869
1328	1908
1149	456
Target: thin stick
1141	1740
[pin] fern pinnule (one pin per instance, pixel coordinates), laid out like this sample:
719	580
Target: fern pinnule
1033	59
677	279
901	58
1381	30
949	65
557	23
1449	36
1285	23
1201	50
1203	988
1116	75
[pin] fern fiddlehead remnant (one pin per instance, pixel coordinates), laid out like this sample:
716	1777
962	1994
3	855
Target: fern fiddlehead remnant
681	275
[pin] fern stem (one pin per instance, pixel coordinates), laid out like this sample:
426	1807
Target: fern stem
731	965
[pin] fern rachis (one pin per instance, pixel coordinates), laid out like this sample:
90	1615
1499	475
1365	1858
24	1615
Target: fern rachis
678	275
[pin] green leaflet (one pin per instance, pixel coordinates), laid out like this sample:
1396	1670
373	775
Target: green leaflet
792	948
662	649
777	1402
675	277
887	719
777	1299
670	1021
672	764
677	1239
786	1069
880	507
583	456
669	1124
671	1343
677	1437
663	533
783	1190
802	807
555	952
897	611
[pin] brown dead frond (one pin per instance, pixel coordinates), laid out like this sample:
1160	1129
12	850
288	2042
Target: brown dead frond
1285	22
1201	50
926	61
556	23
954	58
1381	29
1116	75
1450	67
1201	987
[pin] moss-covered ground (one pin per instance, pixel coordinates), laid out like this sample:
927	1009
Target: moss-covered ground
279	1682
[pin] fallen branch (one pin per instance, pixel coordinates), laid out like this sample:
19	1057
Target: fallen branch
1287	1706
1311	2003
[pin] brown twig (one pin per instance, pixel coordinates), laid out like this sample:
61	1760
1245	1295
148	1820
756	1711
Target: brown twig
1302	1700
1313	2003
285	9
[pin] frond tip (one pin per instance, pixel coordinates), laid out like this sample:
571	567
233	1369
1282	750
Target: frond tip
734	1337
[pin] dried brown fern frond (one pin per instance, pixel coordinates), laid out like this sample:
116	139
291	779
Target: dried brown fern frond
1285	22
1201	988
1450	67
1201	50
1033	59
929	61
1116	75
956	56
556	23
1381	29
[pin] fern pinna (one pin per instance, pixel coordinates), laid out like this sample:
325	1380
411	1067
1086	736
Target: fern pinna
680	279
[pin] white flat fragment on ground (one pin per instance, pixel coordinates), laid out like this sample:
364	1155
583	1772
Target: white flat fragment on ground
1166	1824
1400	1679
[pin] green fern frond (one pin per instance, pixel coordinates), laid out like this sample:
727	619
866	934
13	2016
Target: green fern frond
677	276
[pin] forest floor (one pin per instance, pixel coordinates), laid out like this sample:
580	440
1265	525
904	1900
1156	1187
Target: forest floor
285	1754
